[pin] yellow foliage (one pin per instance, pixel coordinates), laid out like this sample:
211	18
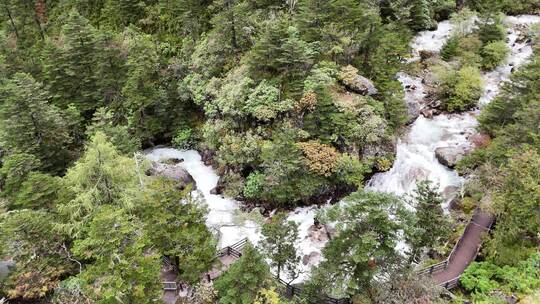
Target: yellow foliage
267	296
320	158
307	102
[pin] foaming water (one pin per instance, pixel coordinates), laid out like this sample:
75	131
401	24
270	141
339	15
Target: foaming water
224	213
415	152
414	92
431	41
520	51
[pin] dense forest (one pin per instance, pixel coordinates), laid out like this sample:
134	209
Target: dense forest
293	103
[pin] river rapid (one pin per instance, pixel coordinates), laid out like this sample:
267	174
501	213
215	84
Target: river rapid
415	154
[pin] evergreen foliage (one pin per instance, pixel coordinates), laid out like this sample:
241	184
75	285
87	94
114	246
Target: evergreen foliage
242	281
258	86
280	237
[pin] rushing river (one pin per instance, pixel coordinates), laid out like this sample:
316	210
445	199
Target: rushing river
415	158
415	155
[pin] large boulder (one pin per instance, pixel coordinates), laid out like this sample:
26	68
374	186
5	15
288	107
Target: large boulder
356	83
173	171
311	259
207	157
5	268
480	140
317	234
450	156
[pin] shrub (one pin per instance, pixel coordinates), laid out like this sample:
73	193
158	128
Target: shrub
491	32
320	158
351	171
183	138
253	185
493	54
469	50
460	90
478	277
450	48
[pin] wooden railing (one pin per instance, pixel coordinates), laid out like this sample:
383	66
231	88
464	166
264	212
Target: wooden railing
234	249
444	264
290	290
433	268
169	286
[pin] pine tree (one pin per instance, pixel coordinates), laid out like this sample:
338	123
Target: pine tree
15	169
368	229
420	16
124	267
176	227
100	177
103	121
120	13
280	237
28	238
242	281
38	191
432	226
143	93
29	124
69	68
281	54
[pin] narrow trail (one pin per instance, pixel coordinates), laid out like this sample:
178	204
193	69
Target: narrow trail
448	272
467	249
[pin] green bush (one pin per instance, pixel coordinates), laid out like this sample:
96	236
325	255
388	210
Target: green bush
450	48
253	185
183	138
479	277
493	54
460	90
491	32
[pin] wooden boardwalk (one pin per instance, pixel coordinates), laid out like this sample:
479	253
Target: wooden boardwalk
448	272
445	273
225	257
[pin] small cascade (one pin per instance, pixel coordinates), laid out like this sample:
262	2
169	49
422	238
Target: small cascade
415	157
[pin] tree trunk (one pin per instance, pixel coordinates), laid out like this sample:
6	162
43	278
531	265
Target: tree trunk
234	42
36	19
11	20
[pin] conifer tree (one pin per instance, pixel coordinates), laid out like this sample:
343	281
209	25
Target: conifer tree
100	177
124	267
176	228
29	124
15	169
431	225
103	121
142	90
28	238
70	67
420	15
242	281
280	237
368	229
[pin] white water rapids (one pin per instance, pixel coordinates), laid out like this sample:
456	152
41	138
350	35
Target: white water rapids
415	158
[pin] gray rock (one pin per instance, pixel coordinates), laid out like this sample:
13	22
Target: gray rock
311	259
449	156
479	140
174	172
317	234
356	83
383	148
5	268
364	86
